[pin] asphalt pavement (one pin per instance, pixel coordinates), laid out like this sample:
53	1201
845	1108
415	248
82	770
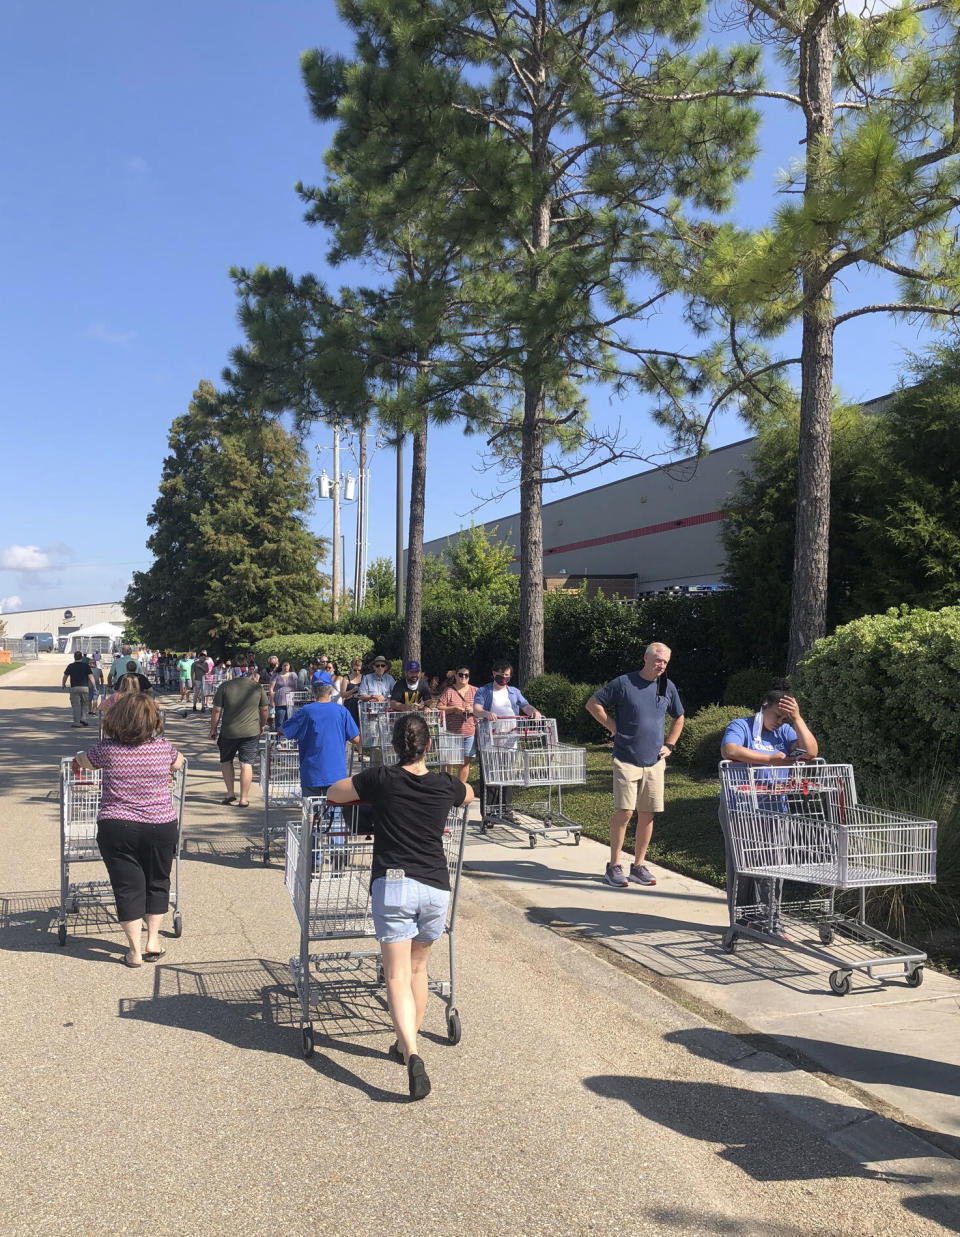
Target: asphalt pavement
583	1097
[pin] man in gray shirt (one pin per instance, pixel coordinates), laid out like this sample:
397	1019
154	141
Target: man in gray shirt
242	703
641	701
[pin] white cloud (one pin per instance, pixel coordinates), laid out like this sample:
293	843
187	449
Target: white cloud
138	165
98	330
10	603
25	558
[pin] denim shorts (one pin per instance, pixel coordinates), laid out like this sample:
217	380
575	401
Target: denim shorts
406	910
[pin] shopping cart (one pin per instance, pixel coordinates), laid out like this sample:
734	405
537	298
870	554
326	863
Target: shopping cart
804	823
327	875
445	749
79	804
296	699
523	752
279	783
369	713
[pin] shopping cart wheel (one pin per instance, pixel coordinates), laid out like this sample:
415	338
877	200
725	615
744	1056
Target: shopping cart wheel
266	857
533	840
826	934
454	1030
728	942
61	934
840	982
178	925
306	1038
915	977
576	839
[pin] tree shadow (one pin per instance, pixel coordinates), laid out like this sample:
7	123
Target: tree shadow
252	1004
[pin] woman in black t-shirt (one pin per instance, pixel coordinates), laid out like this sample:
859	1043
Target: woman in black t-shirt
409	885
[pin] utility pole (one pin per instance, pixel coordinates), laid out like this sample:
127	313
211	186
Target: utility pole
360	559
335	485
399	546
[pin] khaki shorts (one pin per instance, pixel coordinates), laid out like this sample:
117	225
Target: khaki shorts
638	786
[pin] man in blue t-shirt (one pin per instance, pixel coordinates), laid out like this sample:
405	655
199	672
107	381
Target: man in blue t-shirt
775	736
322	730
641	701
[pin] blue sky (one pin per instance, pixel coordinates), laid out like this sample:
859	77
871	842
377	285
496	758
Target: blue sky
146	149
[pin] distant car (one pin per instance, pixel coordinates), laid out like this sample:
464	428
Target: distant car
44	640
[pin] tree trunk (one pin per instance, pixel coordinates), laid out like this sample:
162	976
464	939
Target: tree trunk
418	493
534	391
811	555
531	537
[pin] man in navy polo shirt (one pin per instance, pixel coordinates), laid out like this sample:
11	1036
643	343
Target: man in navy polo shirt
641	701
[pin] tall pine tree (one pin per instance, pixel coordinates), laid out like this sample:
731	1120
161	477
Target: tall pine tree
234	560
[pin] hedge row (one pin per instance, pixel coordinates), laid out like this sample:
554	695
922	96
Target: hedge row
298	649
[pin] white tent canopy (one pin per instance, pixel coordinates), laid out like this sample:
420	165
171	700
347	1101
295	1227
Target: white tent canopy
107	631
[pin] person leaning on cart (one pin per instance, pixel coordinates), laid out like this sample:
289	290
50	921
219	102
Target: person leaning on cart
409	882
775	735
136	824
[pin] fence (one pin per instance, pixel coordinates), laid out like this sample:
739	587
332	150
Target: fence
20	650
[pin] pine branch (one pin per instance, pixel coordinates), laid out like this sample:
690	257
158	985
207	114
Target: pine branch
898	307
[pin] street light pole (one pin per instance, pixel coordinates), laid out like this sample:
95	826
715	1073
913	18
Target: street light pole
399	542
335	572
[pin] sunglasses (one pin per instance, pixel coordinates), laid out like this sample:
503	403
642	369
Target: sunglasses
463	674
379	665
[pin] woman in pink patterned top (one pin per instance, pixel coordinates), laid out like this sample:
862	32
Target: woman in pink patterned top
136	823
456	701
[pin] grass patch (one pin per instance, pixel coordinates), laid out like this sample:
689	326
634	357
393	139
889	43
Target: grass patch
7	666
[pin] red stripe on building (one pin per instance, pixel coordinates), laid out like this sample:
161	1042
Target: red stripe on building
648	530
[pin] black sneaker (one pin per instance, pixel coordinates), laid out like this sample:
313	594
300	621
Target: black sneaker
417	1078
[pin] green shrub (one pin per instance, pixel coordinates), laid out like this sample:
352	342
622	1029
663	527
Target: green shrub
555	697
881	692
298	649
698	748
748	684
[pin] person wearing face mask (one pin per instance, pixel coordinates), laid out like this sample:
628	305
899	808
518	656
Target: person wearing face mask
500	699
413	690
776	736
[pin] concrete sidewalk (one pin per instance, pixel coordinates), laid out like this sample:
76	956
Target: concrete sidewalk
897	1045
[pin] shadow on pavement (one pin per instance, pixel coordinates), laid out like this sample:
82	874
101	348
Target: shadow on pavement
252	1004
531	872
942	1208
678	948
760	1139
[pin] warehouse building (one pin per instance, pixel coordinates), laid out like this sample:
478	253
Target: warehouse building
62	621
659	529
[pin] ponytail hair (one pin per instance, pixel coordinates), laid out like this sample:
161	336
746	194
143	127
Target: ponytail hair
410	738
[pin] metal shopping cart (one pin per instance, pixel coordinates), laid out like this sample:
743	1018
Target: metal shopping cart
445	749
297	698
804	823
369	713
79	804
327	875
279	783
523	752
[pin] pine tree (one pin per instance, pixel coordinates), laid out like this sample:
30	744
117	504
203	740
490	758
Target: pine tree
234	561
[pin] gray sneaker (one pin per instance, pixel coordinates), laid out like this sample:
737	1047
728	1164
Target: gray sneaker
640	874
614	876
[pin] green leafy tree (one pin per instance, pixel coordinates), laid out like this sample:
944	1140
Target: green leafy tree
480	565
380	584
874	93
132	634
234	561
913	536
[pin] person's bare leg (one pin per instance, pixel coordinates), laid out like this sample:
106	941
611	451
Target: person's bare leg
644	834
246	781
153	922
227	771
131	930
618	831
397	974
419	953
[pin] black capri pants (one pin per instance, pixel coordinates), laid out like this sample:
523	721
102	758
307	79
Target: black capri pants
138	859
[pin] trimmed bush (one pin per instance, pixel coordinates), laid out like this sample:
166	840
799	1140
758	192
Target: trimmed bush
748	685
555	697
881	693
298	649
698	749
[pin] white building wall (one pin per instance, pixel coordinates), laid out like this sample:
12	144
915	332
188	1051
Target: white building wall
663	526
56	619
